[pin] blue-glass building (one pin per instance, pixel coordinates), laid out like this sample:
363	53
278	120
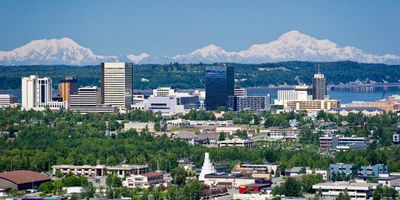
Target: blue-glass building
374	170
341	169
219	84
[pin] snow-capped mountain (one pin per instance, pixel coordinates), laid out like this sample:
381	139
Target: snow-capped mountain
290	46
210	53
138	58
53	51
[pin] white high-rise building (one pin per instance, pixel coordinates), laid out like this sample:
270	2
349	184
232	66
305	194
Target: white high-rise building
285	95
43	91
28	92
208	167
299	93
116	84
303	93
37	93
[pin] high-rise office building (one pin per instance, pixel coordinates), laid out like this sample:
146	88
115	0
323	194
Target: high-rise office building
88	100
37	93
219	84
68	86
28	89
86	97
43	91
319	89
116	84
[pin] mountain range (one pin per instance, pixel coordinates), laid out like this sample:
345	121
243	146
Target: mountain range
290	46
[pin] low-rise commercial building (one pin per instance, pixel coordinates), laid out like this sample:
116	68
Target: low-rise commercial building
353	142
390	104
182	123
342	169
266	167
296	171
374	170
227	180
344	111
323	173
22	180
139	126
145	181
388	180
356	191
328	142
236	142
281	134
100	170
167	105
332	142
8	100
253	103
311	105
228	130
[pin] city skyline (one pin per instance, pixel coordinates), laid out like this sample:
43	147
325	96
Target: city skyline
226	99
171	28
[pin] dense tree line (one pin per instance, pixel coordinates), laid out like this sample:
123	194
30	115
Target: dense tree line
47	138
176	75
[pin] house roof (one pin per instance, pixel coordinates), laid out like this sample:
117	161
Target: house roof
185	135
209	135
297	169
241	169
151	174
23	176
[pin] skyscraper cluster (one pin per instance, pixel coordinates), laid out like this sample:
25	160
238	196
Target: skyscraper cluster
115	92
220	92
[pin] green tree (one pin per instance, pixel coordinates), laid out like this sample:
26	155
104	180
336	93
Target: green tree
179	176
291	188
222	136
157	126
88	191
46	187
193	189
113	181
308	180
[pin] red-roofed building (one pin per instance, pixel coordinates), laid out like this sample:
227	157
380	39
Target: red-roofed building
22	180
147	180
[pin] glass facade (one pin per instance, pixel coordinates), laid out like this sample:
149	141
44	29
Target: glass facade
319	86
219	84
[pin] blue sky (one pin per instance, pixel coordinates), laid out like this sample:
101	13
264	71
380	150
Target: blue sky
171	27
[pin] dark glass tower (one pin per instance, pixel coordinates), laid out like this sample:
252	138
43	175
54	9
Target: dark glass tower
319	89
219	83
